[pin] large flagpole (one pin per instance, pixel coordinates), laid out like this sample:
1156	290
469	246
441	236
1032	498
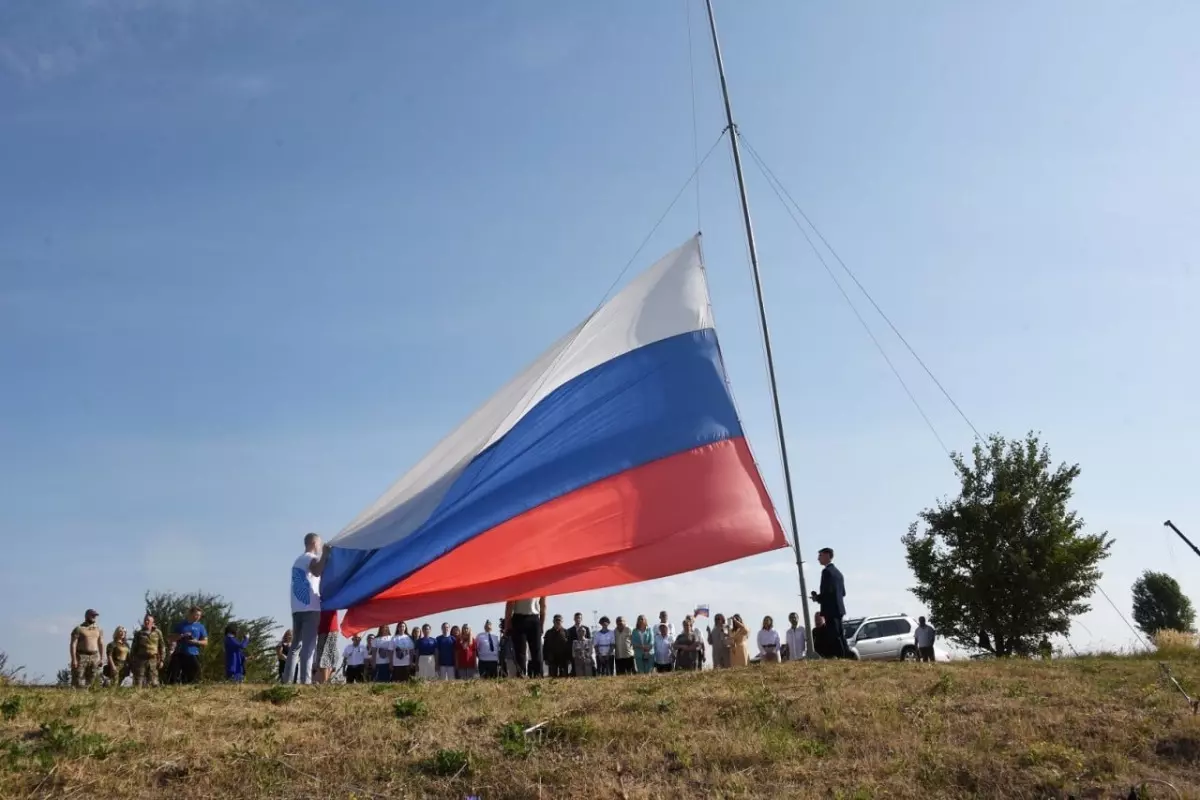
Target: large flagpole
762	316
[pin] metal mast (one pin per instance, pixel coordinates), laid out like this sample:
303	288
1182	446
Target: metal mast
762	316
1179	533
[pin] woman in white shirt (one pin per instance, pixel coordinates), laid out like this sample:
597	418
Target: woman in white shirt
402	654
768	641
664	650
383	654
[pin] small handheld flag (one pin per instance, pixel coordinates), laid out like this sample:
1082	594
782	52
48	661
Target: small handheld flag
701	611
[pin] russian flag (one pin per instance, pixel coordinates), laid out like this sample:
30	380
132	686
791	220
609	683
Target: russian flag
701	611
616	457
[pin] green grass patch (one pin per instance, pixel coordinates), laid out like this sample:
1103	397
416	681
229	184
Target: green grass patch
55	740
446	763
574	731
78	710
945	685
278	695
1052	754
61	739
813	747
406	708
513	741
11	707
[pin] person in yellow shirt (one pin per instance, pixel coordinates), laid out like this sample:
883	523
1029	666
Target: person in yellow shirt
738	635
116	656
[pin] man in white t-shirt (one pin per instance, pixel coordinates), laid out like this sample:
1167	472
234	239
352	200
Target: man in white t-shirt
797	643
306	606
487	652
355	658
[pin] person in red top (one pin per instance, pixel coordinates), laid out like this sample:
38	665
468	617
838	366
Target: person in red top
464	654
327	647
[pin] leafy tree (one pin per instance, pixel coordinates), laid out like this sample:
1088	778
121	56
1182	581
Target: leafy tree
1005	563
63	677
1159	604
170	608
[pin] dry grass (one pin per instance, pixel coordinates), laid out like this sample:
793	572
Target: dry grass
1090	727
1175	644
9	673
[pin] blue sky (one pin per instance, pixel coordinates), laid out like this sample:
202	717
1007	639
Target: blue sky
257	257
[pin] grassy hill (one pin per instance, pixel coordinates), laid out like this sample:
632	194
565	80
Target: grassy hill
1092	727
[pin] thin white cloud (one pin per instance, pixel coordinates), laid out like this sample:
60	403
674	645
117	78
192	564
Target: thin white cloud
164	554
245	86
54	625
47	41
56	39
12	61
543	47
776	568
534	45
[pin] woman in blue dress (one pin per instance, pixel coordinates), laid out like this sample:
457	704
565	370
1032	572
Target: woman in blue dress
235	654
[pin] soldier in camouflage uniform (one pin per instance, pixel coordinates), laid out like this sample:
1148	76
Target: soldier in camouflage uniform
116	656
87	646
146	654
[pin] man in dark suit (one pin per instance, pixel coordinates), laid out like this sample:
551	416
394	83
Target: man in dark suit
831	598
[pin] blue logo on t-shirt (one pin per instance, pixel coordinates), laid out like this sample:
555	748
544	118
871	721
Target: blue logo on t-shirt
300	587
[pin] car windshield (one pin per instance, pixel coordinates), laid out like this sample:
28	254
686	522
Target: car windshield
850	626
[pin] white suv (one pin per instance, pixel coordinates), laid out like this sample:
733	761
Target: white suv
886	638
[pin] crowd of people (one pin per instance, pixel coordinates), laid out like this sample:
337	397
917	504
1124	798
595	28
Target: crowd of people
310	652
149	654
524	646
396	654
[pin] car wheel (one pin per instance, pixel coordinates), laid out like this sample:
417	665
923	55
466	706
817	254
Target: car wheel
908	654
